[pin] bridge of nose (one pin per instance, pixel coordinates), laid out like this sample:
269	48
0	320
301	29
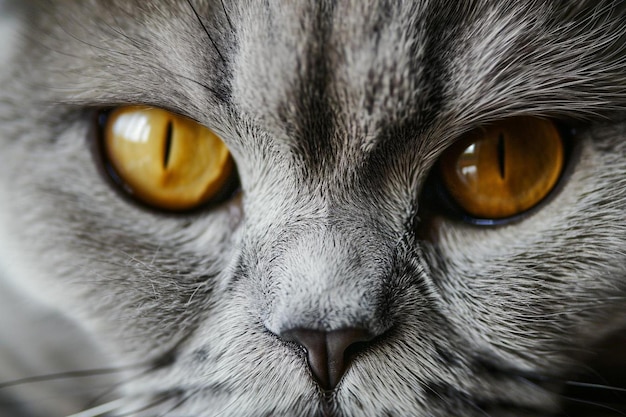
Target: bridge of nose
326	283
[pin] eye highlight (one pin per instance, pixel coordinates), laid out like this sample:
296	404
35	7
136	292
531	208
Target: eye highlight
163	159
504	169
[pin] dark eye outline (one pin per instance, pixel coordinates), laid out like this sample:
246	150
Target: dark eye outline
228	192
437	198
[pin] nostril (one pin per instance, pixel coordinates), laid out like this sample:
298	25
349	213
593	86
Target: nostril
356	348
329	352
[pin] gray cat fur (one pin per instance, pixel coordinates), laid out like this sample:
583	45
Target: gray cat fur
335	113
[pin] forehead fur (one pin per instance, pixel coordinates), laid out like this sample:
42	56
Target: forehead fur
318	71
425	70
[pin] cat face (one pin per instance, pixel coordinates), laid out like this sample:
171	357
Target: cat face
329	282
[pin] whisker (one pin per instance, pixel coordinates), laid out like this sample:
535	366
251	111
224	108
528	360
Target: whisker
132	42
177	405
208	34
70	374
230	23
595	404
101	409
541	381
594	386
571	404
114	387
452	397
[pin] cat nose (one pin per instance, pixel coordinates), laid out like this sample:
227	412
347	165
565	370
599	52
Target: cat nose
328	352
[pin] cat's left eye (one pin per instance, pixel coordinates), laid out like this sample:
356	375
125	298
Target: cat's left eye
163	159
500	171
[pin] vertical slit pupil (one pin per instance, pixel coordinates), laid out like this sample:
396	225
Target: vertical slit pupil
501	160
168	143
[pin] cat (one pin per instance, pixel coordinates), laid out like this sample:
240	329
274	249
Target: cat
337	264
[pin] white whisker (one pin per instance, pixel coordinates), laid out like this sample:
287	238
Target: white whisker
101	409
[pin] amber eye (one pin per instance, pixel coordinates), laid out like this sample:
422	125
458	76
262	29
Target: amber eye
503	169
163	159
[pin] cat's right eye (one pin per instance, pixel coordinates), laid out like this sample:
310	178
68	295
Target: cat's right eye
163	159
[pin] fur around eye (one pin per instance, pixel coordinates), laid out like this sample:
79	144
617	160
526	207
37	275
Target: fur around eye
504	169
165	160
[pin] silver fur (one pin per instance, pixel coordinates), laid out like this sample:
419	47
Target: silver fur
335	113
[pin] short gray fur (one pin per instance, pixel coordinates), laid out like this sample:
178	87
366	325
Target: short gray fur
335	112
